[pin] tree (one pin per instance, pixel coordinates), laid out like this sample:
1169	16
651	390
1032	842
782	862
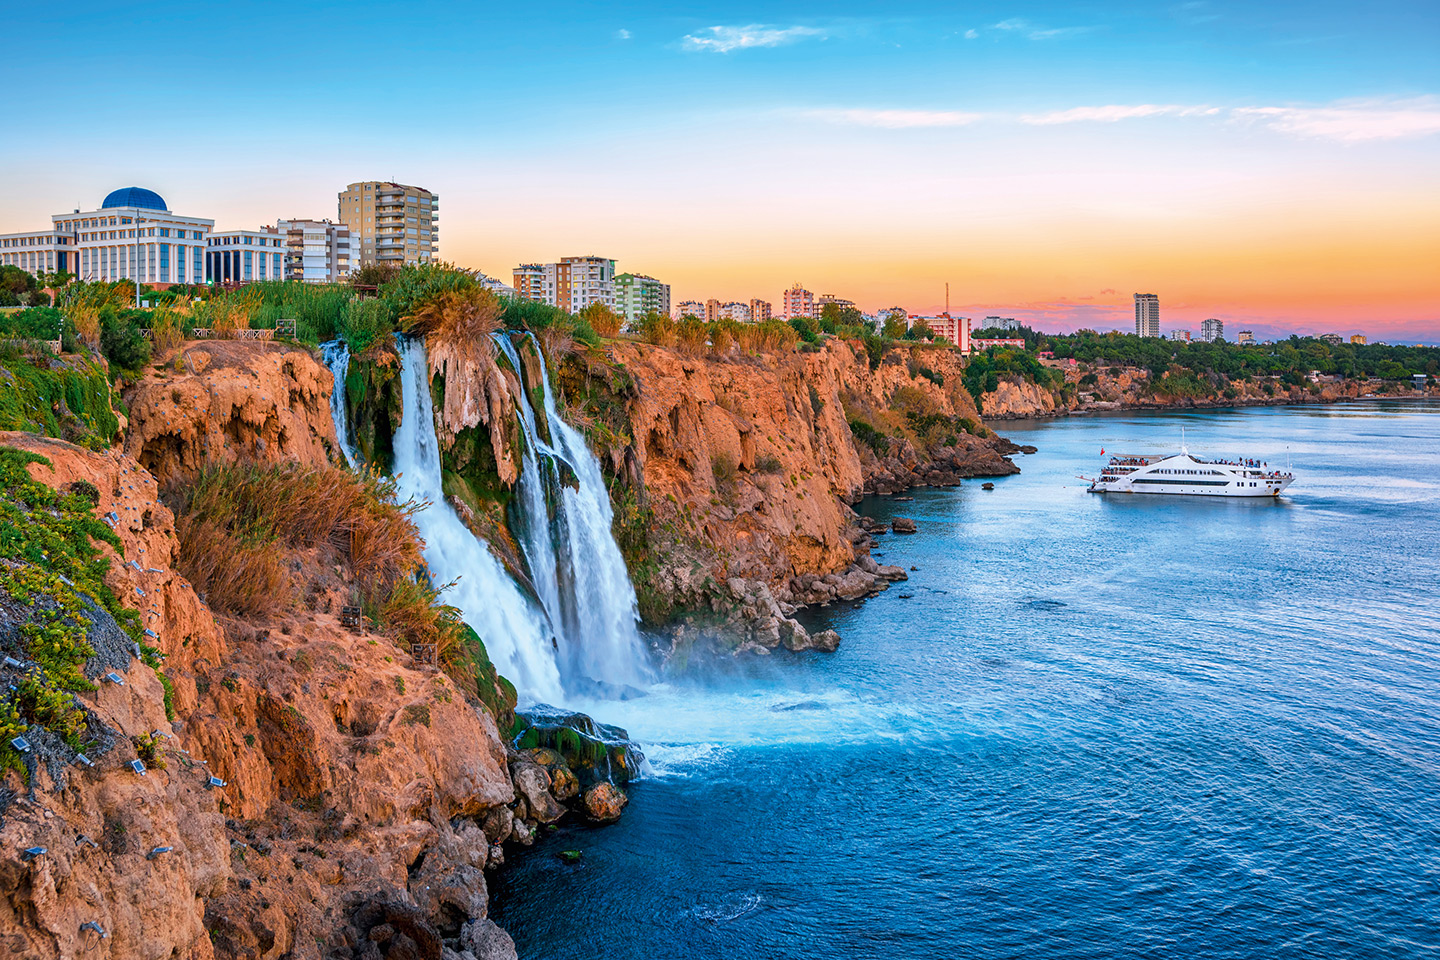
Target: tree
57	280
602	319
894	327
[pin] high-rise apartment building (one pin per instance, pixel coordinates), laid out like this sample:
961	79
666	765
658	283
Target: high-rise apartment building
1147	315
636	295
392	223
317	251
529	279
572	284
1212	329
759	310
712	310
689	308
1000	323
798	302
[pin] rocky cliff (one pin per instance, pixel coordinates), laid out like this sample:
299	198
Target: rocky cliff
1099	387
223	401
735	472
259	785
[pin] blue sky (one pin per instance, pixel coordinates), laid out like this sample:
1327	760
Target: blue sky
1031	154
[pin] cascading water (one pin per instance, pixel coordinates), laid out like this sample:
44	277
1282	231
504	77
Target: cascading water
337	358
585	639
574	560
515	633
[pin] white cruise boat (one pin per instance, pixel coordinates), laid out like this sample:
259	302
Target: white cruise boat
1185	474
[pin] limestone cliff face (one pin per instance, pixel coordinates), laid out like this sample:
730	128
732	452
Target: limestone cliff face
343	765
225	400
1018	398
1099	387
746	464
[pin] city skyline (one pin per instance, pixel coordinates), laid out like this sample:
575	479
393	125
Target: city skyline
1272	167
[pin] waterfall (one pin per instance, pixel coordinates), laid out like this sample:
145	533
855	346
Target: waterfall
585	639
574	560
515	634
337	358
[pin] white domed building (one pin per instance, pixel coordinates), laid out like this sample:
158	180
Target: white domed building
131	234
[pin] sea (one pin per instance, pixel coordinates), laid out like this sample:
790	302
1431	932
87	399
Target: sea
1086	727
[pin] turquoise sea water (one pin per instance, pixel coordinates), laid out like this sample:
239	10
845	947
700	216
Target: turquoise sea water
1099	727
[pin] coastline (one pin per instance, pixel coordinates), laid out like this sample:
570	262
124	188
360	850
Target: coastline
1060	412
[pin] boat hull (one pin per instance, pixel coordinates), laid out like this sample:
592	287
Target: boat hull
1261	488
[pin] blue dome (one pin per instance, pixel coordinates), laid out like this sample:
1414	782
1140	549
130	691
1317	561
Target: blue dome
134	197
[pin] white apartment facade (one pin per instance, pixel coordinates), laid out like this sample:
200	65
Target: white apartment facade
1147	315
245	256
1212	329
736	311
317	251
689	308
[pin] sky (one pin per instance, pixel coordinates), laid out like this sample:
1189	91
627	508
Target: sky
1276	165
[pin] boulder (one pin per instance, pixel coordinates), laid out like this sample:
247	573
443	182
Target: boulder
826	641
497	824
533	783
487	941
564	785
902	525
604	802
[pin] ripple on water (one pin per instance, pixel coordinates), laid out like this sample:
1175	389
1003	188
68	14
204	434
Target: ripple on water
1225	743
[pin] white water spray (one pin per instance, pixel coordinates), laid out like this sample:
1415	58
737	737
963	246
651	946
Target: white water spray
577	567
515	634
337	358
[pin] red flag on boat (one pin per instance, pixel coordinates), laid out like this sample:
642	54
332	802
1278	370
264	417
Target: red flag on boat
1102	451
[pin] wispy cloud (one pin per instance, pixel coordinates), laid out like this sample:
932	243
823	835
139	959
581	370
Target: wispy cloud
972	34
1113	113
727	39
622	34
1031	31
1351	121
896	119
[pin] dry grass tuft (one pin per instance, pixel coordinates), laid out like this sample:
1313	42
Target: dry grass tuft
469	313
257	539
240	525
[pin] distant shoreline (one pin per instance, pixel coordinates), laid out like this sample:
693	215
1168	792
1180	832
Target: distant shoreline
1204	406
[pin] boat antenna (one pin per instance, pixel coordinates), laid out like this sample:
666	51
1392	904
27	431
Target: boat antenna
1183	448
